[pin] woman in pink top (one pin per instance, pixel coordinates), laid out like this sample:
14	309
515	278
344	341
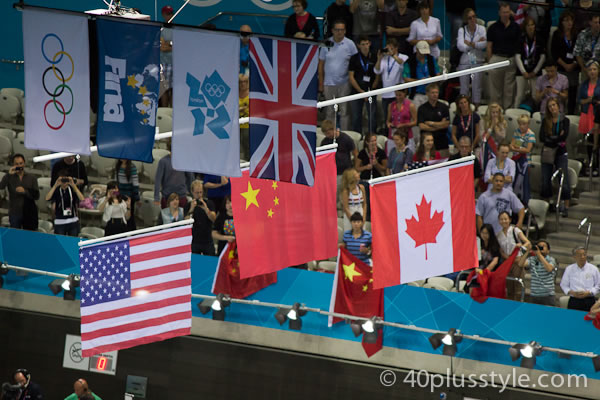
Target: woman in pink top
401	114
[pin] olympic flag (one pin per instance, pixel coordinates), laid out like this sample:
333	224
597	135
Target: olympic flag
57	81
206	132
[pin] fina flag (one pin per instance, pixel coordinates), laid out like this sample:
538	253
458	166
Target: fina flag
129	60
206	131
57	92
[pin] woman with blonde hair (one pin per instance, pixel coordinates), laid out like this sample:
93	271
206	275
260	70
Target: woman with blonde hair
353	196
494	124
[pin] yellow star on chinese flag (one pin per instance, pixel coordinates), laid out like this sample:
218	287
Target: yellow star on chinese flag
250	196
350	271
131	81
143	90
365	288
276	200
274	185
270	213
231	254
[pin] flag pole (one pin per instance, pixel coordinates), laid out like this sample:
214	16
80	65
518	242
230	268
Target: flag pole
84	243
419	170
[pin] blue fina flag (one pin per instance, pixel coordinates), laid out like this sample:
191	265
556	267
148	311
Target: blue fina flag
129	80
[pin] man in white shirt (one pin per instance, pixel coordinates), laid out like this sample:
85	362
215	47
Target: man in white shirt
581	281
333	71
390	66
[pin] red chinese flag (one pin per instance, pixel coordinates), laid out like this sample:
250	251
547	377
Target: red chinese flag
280	224
227	278
492	284
353	294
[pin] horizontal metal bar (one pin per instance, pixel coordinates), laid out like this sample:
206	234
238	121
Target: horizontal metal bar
36	271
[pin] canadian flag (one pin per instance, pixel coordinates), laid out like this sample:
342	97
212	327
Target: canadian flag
423	224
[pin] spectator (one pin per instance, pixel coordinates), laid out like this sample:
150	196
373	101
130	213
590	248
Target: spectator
510	237
494	123
65	197
465	149
426	28
30	389
166	60
420	65
496	200
563	43
426	150
583	11
357	240
585	46
80	389
397	25
74	167
217	188
168	180
333	71
353	196
371	161
434	116
203	212
390	65
301	24
553	135
224	229
530	59
455	12
502	39
173	212
581	281
245	31
471	42
363	78
346	150
116	211
244	105
129	186
490	249
23	192
543	273
365	21
541	16
338	10
466	122
402	114
523	138
401	154
501	164
589	98
552	85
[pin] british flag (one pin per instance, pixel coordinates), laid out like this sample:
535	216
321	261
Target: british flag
283	110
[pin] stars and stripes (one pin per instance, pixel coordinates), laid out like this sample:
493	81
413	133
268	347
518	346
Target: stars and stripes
135	291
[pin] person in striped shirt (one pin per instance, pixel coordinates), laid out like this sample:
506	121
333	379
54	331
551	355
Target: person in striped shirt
357	240
543	272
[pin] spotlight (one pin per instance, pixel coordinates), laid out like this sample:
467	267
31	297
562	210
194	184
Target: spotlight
582	223
596	361
56	286
528	352
216	305
292	314
449	340
3	271
369	329
67	285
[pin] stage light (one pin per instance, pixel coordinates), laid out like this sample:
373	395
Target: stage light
217	306
528	352
67	285
56	286
292	314
449	340
369	329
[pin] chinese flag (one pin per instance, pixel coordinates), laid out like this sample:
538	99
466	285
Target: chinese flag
227	278
279	224
353	294
492	284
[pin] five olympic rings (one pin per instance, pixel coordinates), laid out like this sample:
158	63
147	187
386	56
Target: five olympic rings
214	89
60	89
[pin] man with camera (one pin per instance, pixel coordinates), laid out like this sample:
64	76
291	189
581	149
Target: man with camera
543	271
581	281
23	191
65	196
203	212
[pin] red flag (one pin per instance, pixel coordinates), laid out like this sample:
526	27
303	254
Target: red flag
227	278
492	284
353	294
281	224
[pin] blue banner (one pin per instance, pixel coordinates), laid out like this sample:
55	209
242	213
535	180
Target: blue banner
129	79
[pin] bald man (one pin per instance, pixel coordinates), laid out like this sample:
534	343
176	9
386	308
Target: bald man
81	389
245	31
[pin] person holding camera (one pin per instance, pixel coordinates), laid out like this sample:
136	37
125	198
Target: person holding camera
116	210
543	272
23	192
65	197
203	212
29	390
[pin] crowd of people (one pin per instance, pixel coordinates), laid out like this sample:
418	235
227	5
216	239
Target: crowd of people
22	387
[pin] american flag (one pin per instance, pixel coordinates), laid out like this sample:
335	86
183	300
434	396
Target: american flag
135	291
283	113
420	164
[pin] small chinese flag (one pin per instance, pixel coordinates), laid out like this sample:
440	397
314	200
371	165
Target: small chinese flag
353	294
492	284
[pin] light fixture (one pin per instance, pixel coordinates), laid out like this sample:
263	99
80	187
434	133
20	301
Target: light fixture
292	314
582	223
449	340
596	361
528	352
217	306
3	271
68	286
369	329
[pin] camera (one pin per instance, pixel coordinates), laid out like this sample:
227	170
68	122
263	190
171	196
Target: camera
64	180
19	168
522	250
10	392
386	50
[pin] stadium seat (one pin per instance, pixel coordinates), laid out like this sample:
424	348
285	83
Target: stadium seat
91	232
164	123
340	231
18	146
5	149
8	133
535	176
481	110
164	111
44	187
103	165
563	301
576	165
148	212
539	209
439	283
149	169
10	108
45	226
328	266
320	138
5	222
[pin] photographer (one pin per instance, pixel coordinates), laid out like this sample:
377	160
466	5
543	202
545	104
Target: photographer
543	272
116	210
203	212
65	196
23	192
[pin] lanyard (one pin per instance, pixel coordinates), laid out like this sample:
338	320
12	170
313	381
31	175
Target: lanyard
529	51
569	43
557	126
468	123
62	201
365	67
391	63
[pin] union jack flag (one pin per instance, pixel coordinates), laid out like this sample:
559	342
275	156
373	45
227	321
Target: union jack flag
283	112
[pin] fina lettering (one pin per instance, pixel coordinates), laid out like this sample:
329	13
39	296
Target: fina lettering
113	108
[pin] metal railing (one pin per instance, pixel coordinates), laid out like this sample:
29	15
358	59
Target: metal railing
16	63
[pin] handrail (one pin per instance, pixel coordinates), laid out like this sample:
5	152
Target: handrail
243	14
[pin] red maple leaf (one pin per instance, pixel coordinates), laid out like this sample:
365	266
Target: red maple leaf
426	229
